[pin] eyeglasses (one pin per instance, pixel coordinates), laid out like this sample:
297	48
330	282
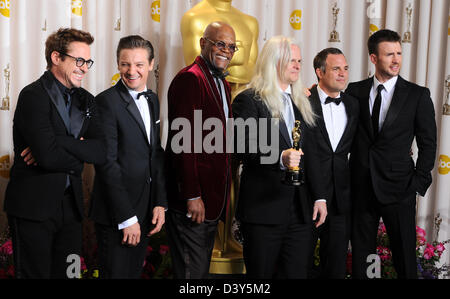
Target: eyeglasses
222	45
79	61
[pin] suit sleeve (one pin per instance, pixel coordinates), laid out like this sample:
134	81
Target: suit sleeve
184	97
33	116
110	172
158	162
425	131
91	149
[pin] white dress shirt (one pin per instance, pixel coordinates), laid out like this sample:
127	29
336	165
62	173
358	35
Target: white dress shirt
144	110
335	118
386	97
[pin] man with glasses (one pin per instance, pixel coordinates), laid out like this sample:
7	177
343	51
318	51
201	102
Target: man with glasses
200	180
55	132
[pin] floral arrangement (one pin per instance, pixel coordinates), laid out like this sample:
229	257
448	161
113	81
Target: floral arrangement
428	254
6	256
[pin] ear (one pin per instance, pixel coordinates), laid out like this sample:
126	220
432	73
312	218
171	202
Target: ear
202	43
373	58
151	65
56	57
319	73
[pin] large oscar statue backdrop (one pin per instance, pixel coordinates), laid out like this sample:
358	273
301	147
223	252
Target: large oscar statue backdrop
227	254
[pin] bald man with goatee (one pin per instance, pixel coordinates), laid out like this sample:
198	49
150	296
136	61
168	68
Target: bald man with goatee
200	181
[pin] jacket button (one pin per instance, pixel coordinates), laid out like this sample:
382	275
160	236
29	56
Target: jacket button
149	179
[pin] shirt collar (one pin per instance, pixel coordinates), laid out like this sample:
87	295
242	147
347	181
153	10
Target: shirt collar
288	90
323	96
132	92
388	85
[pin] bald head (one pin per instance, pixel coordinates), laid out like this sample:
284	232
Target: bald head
216	34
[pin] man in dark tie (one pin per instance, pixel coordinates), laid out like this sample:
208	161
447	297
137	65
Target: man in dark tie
199	179
129	196
55	131
385	179
337	122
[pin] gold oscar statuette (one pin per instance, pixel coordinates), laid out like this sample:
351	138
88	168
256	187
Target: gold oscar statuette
5	100
407	34
447	101
119	19
294	175
334	35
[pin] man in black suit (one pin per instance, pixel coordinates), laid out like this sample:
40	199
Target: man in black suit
129	195
337	122
55	131
385	180
276	218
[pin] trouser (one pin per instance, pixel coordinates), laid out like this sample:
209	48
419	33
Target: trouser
41	248
191	245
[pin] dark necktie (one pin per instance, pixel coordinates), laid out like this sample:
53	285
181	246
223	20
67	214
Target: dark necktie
376	110
337	101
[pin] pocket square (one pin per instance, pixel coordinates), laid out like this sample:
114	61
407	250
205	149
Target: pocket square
158	121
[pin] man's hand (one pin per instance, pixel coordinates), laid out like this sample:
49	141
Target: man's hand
196	209
307	92
291	157
320	207
27	156
158	219
132	234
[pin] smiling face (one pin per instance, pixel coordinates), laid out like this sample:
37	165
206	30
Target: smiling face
387	60
64	67
134	68
335	77
291	73
218	58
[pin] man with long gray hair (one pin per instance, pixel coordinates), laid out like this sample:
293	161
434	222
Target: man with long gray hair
276	218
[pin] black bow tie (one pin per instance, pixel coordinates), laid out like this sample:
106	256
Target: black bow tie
144	93
337	101
220	75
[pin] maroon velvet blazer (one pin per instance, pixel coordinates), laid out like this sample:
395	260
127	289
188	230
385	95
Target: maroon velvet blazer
194	172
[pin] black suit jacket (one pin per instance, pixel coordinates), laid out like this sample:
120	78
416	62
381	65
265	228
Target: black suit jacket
385	162
336	163
131	182
42	122
263	198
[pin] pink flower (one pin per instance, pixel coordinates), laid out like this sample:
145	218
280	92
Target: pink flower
440	248
420	232
163	249
429	252
382	227
7	248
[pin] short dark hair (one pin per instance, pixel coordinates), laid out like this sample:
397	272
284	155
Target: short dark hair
320	61
384	35
133	42
59	41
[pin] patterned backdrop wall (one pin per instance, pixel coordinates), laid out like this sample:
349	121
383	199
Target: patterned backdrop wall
346	24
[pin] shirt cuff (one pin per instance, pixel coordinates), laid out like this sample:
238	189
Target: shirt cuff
321	200
194	198
128	222
282	167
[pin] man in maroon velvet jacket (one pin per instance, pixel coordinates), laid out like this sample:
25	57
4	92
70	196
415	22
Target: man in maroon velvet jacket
199	179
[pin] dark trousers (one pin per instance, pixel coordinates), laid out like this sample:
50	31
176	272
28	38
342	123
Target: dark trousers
334	237
41	248
191	245
117	260
399	220
278	251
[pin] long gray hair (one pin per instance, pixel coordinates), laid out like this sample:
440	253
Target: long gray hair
271	63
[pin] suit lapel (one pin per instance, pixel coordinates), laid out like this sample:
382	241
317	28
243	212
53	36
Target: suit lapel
131	107
317	106
56	97
350	120
211	85
398	100
364	99
76	116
